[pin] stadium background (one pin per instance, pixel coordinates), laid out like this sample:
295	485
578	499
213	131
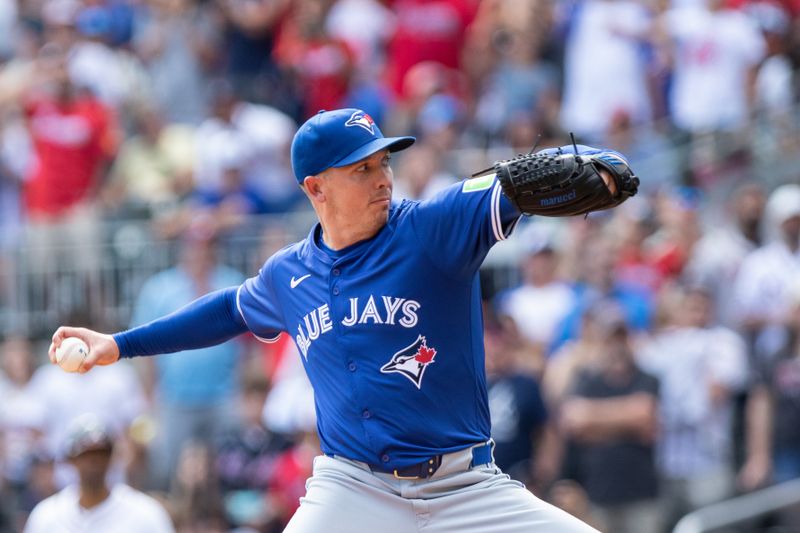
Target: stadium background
167	174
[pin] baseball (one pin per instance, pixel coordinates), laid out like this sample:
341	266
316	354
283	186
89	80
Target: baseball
71	354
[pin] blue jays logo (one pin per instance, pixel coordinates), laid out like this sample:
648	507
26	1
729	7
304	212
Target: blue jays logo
411	361
362	120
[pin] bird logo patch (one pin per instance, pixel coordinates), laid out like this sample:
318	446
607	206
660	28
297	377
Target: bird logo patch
412	361
362	120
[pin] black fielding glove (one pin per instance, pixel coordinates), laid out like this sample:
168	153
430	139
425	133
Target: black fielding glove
558	183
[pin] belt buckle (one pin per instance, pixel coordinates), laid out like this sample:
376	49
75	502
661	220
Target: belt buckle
398	476
431	464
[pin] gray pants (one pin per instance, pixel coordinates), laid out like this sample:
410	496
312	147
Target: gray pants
344	496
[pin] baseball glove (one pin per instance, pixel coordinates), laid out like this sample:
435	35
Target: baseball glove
566	181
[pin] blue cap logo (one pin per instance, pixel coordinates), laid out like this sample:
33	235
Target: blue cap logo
362	120
339	138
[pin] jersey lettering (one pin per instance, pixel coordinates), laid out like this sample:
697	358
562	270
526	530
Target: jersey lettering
370	311
353	318
312	327
318	321
409	319
302	342
392	305
325	318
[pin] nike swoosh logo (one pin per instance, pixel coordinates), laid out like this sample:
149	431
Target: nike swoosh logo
295	282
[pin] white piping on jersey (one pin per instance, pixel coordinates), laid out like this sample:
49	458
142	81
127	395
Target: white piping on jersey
497	225
239	308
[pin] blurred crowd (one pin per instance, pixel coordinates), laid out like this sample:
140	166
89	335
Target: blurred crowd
642	363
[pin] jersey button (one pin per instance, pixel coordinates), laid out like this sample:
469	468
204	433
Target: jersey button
385	458
336	290
336	272
351	366
366	414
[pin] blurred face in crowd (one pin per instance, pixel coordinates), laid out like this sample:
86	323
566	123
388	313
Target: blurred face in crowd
521	132
199	253
590	331
632	236
16	353
150	124
696	309
599	260
61	33
354	199
223	101
52	63
92	466
540	268
311	16
617	359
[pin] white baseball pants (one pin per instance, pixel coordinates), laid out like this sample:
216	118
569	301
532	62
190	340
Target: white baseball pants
345	496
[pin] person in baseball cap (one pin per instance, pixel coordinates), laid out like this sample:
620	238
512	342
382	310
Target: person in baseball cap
337	139
370	297
93	504
87	433
784	203
341	162
783	215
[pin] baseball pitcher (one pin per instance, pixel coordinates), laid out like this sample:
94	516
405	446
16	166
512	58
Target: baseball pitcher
383	301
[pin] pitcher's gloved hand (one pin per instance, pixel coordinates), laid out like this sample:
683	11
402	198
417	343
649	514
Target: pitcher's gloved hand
559	182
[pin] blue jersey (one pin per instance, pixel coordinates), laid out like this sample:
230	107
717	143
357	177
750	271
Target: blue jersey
390	329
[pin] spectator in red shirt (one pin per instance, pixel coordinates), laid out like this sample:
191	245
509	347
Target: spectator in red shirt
323	64
427	30
73	140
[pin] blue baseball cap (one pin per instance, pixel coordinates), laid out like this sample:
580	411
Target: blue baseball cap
339	138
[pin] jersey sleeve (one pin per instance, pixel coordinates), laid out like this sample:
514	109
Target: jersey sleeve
458	226
258	304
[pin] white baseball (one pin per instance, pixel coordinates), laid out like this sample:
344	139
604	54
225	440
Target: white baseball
71	354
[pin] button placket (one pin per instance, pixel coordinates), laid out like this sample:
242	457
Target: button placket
335	273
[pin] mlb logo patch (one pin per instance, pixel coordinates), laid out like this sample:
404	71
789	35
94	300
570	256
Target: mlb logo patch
478	184
362	120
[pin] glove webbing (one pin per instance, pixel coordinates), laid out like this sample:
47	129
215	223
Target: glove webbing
544	171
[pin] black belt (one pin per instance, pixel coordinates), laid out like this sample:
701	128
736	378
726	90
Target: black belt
422	470
480	455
